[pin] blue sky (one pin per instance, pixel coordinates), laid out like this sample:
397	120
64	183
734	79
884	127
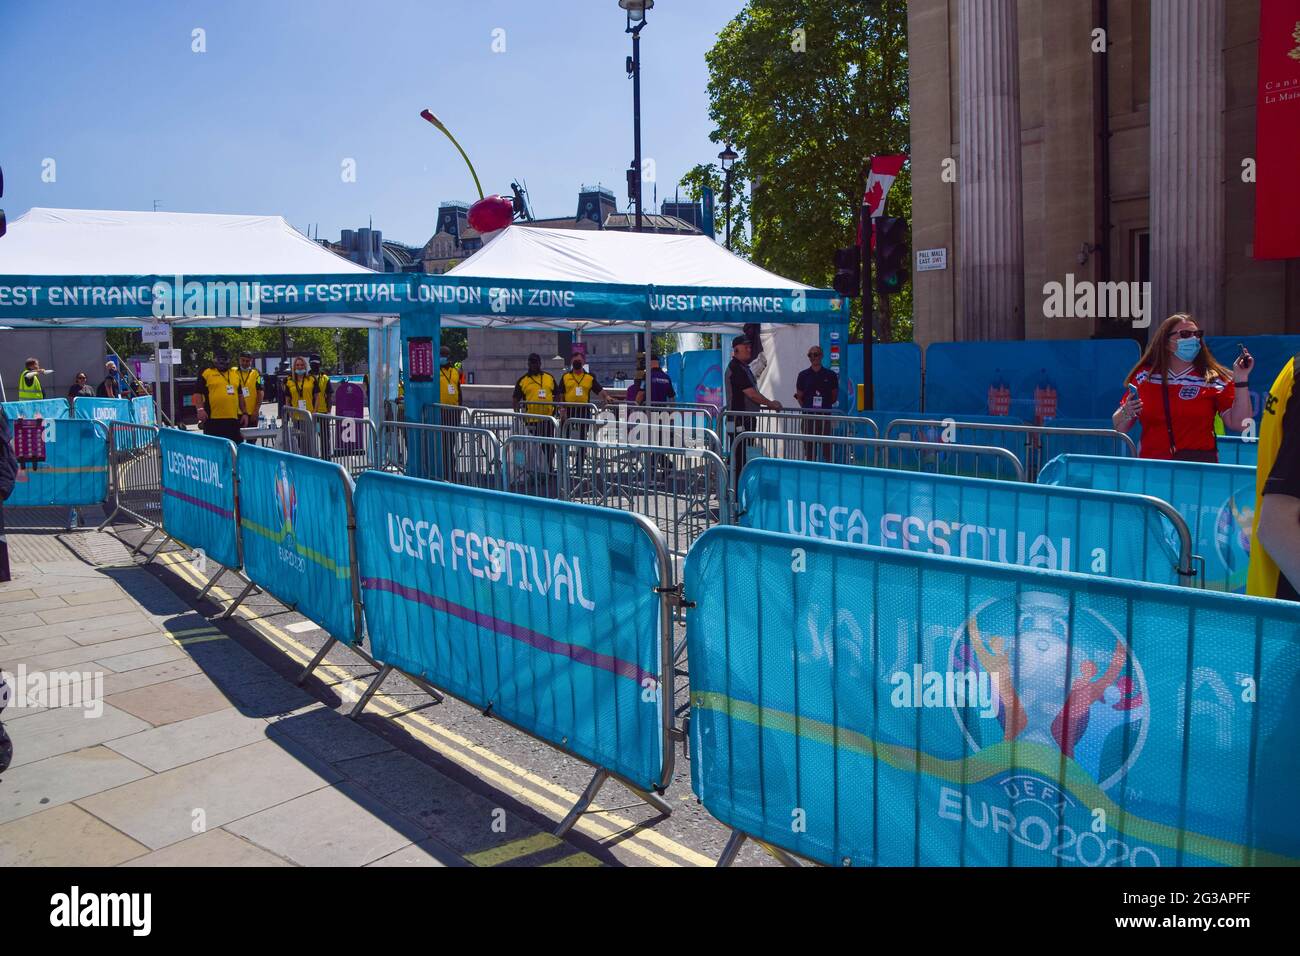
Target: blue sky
288	89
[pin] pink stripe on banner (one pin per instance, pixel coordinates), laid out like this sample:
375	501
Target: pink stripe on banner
576	652
199	502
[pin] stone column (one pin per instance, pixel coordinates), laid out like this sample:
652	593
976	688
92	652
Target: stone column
1187	209
990	243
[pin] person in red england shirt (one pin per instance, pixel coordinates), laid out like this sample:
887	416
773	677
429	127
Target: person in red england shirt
1177	388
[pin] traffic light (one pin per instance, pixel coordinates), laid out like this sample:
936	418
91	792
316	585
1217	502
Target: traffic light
848	272
892	255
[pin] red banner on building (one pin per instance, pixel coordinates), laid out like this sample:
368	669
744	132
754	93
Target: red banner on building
1277	138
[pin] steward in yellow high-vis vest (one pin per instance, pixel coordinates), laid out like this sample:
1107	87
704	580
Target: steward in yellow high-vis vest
535	391
300	387
250	388
216	399
577	384
30	388
1277	495
450	379
322	390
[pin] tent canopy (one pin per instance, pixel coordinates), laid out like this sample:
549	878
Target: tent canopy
685	278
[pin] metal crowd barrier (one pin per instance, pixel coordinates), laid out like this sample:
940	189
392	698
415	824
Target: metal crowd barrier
682	490
929	457
1035	445
911	709
503	423
350	442
461	454
612	431
1108	533
134	475
797	421
438	413
299	432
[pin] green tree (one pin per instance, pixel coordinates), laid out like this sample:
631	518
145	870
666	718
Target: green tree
711	175
807	91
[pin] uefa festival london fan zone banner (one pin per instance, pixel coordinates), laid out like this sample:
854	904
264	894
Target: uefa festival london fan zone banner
863	706
544	612
198	493
75	469
293	518
1216	501
1010	522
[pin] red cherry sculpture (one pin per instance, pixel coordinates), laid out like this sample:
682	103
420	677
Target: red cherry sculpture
491	213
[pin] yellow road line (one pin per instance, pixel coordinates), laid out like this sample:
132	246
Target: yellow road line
513	850
602	827
578	859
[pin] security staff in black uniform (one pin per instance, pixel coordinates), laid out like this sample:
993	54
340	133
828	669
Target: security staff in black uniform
817	390
743	395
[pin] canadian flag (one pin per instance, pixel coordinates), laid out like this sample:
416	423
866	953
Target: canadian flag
884	170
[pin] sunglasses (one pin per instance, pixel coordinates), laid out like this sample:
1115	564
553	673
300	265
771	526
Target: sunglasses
1190	334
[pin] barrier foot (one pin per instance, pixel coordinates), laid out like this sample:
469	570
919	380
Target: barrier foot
360	705
315	661
734	843
785	859
153	554
211	581
238	601
584	801
427	688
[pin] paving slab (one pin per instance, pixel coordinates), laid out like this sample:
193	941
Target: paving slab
213	848
181	699
189	740
89	612
147	658
328	733
84	654
123	625
160	810
427	853
64	836
61	730
62	779
117	683
334	826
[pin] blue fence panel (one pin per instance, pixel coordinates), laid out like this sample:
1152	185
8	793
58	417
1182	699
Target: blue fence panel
702	374
1216	501
1015	442
1238	451
1010	522
38	408
912	709
1053	445
895	375
143	411
198	493
544	611
1068	378
102	409
75	470
1271	353
294	517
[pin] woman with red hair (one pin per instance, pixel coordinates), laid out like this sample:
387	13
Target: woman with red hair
1177	388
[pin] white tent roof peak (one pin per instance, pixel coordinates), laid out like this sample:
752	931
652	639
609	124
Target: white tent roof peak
606	256
130	242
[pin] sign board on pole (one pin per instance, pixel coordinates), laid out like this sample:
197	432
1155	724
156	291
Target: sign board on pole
169	356
931	260
156	332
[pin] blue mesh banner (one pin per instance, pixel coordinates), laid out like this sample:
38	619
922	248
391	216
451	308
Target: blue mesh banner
143	411
1031	380
1271	353
198	493
293	517
544	611
861	706
702	375
1216	501
1010	522
75	470
895	375
40	408
103	409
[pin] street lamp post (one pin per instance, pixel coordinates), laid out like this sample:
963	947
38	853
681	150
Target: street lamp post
636	11
728	157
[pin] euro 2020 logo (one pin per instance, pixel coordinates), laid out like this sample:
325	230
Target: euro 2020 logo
286	498
1232	528
1034	646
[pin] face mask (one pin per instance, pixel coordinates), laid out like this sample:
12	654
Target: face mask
577	366
445	361
1187	349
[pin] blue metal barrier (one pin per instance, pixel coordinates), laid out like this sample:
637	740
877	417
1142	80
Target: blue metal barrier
296	528
37	408
75	470
549	615
1235	450
199	494
859	706
1216	501
1132	537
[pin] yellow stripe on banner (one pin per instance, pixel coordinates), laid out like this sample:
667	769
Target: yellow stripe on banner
542	794
277	537
514	850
